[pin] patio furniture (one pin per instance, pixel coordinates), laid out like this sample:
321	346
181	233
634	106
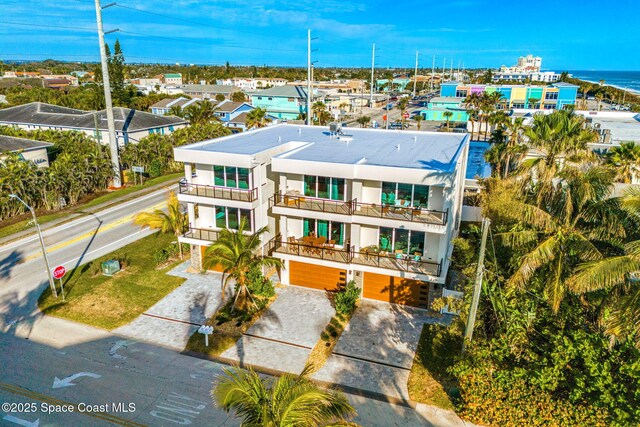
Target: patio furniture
399	254
331	244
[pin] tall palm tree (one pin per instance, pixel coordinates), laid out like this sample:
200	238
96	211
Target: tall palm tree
402	106
235	252
515	129
201	112
418	118
618	277
173	221
318	108
257	118
563	229
447	115
533	103
599	98
290	400
625	158
555	140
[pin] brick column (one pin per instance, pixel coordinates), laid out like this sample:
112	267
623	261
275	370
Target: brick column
196	258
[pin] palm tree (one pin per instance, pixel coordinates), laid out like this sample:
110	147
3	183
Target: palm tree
626	161
174	221
514	145
176	110
363	120
447	115
402	106
200	112
289	400
318	109
618	277
533	103
555	139
257	118
418	118
235	252
586	87
574	216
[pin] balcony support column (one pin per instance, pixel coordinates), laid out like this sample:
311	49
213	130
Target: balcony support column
196	258
187	173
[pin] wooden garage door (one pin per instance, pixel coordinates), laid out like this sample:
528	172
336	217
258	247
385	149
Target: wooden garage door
397	290
316	276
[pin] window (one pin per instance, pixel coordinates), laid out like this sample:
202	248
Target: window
170	128
406	241
328	229
270	99
230	217
291	99
551	95
461	93
324	187
405	194
259	97
231	177
550	106
517	105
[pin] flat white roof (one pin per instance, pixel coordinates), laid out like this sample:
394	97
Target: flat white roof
405	149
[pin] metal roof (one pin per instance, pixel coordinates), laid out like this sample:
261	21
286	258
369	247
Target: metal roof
12	143
288	91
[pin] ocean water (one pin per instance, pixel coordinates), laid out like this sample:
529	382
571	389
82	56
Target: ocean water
621	79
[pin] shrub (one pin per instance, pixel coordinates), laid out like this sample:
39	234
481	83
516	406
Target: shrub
258	284
156	168
347	298
161	256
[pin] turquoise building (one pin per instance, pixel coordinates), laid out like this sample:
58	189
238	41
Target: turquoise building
284	102
439	105
552	97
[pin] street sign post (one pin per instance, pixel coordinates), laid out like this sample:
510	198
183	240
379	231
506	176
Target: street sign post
58	273
206	331
135	170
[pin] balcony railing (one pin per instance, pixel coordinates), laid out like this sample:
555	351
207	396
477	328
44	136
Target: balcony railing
408	263
324	252
347	256
353	207
215	192
401	213
312	204
201	234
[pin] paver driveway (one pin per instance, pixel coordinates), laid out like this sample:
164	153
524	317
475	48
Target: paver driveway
285	334
376	350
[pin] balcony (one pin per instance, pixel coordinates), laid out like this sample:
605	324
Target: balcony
401	213
201	234
353	207
311	204
402	262
226	193
310	250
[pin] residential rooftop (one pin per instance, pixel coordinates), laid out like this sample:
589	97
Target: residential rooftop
288	91
402	149
126	119
12	143
228	89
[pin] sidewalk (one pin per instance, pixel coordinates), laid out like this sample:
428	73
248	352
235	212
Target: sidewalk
93	209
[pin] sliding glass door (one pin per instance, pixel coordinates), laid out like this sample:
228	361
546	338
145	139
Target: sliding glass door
323	187
406	195
401	241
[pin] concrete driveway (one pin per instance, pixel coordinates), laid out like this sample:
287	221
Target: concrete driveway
285	334
376	350
173	319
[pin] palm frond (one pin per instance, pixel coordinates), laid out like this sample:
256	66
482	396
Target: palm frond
602	274
543	254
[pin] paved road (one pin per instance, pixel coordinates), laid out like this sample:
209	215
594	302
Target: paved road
22	269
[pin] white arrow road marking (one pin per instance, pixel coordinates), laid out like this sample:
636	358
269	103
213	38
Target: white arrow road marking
113	352
66	382
21	422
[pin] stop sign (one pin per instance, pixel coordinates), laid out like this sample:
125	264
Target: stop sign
59	272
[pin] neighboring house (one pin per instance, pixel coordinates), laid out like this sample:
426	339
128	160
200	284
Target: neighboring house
172	79
131	125
146	82
250	84
439	105
383	206
284	102
56	83
30	150
163	107
73	80
552	97
613	127
205	91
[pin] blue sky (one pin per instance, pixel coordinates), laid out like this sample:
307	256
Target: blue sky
569	34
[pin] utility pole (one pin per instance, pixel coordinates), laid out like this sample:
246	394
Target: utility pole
444	66
308	76
373	63
451	73
433	71
415	76
471	320
113	143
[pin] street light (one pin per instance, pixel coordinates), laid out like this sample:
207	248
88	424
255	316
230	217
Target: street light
44	249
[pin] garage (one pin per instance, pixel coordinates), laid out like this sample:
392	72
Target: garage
316	276
398	290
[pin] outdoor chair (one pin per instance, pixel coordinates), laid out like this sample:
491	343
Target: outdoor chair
331	244
399	254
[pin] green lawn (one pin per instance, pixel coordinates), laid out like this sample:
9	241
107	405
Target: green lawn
110	302
429	382
25	224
